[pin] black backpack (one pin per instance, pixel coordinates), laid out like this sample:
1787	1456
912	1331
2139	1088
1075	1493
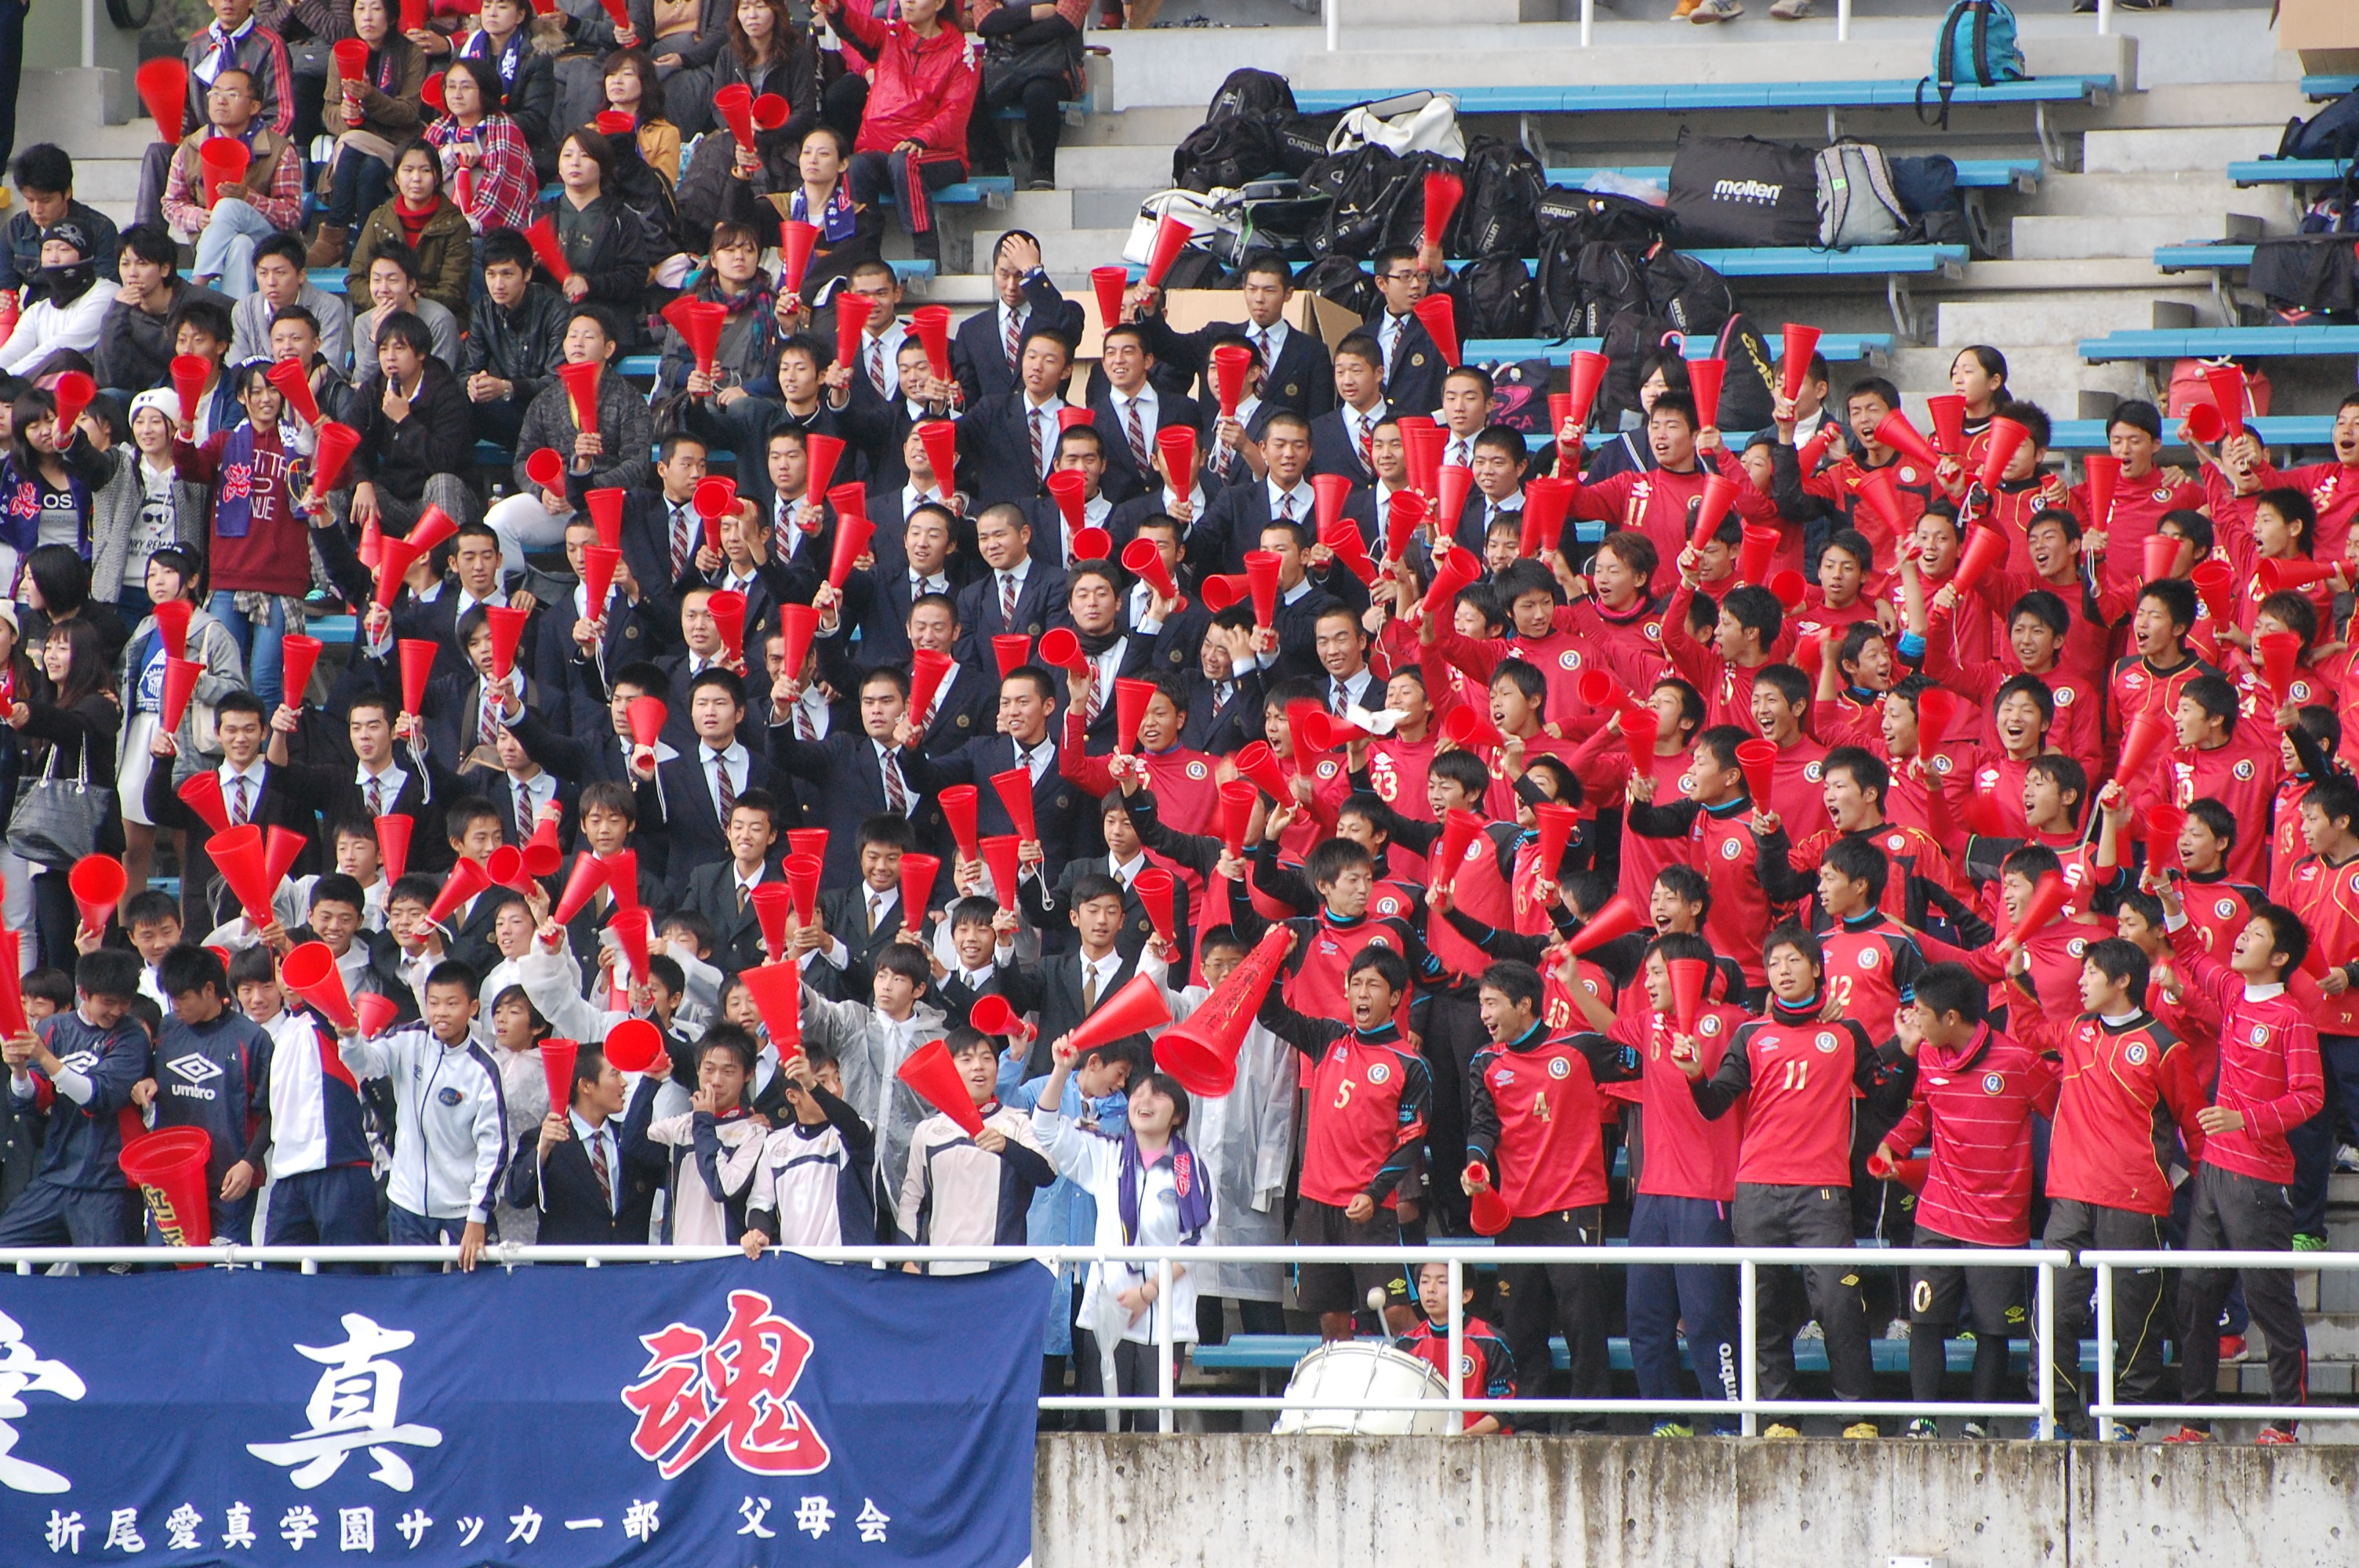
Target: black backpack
1696	300
1556	284
1380	202
1503	185
2312	275
1741	191
1339	280
1255	94
1227	152
1497	297
2332	133
1302	141
1747	391
1928	188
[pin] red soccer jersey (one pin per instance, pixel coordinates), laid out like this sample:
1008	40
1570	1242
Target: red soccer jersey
1365	1104
1727	687
2122	1091
1909	853
1397	773
1870	968
1488	1371
2132	686
1479	892
2269	1066
1661	504
2243	777
2326	896
2218	908
1686	1154
1720	844
1798	791
1626	643
2333	489
1603	764
1534	1117
1798	1078
2138	507
1977	1105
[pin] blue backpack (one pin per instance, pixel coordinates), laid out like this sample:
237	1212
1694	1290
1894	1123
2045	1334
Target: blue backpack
1978	47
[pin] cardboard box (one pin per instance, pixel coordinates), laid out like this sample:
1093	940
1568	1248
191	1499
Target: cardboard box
2317	25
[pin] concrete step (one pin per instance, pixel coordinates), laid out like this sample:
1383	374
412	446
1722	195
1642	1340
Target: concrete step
2239	103
1161	125
99	180
2051	377
1108	208
1081	249
1115	168
2040	318
1039	209
2015	274
2197	190
2176	150
2068	238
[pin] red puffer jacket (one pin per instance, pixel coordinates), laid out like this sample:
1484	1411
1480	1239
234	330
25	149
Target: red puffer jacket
919	89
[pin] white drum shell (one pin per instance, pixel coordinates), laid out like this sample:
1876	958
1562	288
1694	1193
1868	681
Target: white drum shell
1329	1382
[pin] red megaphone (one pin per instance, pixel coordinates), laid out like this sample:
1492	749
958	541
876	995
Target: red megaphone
1202	1052
97	883
1459	831
1758	761
1137	1007
992	1015
311	972
393	831
934	1077
1490	1215
1909	1172
1015	787
582	885
1616	918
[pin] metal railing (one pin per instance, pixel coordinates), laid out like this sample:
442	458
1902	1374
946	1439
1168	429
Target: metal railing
2106	1411
1747	1262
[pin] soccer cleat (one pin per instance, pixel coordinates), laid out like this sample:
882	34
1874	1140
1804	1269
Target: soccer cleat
1672	1429
2231	1348
2303	1241
1779	1429
2188	1434
2276	1437
1924	1427
1861	1429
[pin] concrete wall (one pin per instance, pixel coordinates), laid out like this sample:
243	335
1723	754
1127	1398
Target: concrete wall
1222	1501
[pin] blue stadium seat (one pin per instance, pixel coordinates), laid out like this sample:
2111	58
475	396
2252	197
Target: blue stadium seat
2215	342
1840	348
1623	97
2201	258
1974	173
2286	171
2280	430
2321	88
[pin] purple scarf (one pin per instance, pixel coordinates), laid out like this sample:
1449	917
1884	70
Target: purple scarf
1188	1182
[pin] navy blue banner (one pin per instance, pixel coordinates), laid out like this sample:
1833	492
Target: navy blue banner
711	1415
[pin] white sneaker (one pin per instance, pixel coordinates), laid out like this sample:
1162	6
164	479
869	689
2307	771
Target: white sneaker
1790	10
1809	1330
2346	1158
1716	11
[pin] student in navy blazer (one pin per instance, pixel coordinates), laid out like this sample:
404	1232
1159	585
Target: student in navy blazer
847	769
1121	387
1061	809
681	798
1004	538
981	360
998	438
1414	367
1297	375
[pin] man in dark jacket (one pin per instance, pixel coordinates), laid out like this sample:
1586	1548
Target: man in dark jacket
416	443
44	177
516	340
135	349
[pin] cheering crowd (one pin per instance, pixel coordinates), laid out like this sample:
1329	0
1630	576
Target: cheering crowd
1265	800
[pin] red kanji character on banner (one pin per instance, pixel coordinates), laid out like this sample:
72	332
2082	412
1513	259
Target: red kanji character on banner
733	1389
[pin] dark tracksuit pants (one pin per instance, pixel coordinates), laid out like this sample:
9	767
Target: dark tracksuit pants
2313	1141
1939	1297
2240	1214
1569	1298
1806	1217
1658	1298
2141	1321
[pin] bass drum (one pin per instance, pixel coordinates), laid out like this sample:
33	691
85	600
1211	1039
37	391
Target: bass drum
1328	1385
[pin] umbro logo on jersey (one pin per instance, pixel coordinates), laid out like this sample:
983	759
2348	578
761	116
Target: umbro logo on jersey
194	1067
80	1062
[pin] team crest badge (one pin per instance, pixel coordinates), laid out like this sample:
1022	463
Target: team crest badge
1558	1067
1380	1073
1825	1041
1994	1083
2135	1054
1199	771
1569	660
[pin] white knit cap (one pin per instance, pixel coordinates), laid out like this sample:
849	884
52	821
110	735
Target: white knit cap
163	402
